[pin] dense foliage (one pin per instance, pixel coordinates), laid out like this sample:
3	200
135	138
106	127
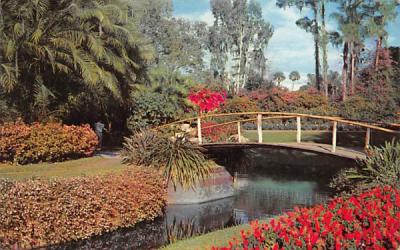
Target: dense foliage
52	51
239	104
21	143
38	212
370	220
156	106
381	167
181	161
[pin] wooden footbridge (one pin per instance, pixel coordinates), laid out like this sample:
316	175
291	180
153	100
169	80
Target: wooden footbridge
237	119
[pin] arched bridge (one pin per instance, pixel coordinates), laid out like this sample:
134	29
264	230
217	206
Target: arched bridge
237	120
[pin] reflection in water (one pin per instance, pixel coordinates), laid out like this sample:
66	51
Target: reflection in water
264	197
264	189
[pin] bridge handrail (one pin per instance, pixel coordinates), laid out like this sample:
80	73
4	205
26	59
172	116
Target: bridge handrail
328	118
280	115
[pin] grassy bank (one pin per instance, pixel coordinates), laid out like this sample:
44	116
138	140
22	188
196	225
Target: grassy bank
206	241
83	167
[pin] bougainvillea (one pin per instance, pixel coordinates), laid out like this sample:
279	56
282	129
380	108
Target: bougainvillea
22	143
41	212
367	221
207	100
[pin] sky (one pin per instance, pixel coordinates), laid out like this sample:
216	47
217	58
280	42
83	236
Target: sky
290	48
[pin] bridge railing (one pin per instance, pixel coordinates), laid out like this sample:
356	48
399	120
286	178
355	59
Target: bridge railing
259	117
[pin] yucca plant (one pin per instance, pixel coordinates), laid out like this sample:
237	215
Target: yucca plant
181	161
142	148
381	167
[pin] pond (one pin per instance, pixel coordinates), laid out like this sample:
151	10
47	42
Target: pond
270	183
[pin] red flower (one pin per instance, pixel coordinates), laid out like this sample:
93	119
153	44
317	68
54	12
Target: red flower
207	100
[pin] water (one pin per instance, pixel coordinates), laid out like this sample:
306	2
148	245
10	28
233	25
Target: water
272	182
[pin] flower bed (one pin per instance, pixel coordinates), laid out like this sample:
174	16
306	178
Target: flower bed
38	213
368	221
21	143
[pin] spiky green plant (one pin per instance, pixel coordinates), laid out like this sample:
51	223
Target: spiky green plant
142	148
381	167
181	161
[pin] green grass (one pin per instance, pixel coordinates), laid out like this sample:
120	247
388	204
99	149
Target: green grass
87	166
344	138
218	238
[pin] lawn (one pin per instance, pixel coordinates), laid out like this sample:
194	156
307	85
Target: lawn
88	166
344	138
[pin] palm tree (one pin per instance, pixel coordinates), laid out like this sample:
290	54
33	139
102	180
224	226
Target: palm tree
294	76
49	43
279	77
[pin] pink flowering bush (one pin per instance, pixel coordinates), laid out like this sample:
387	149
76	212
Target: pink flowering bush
367	221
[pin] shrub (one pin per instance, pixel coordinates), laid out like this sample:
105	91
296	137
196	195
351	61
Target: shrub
152	109
381	167
22	143
368	221
218	133
278	99
239	104
36	213
181	161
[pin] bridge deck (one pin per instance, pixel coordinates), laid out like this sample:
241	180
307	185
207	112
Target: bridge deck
350	153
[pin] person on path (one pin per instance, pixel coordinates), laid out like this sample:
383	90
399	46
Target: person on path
98	129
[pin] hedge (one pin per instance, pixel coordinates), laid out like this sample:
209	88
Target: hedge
21	143
38	213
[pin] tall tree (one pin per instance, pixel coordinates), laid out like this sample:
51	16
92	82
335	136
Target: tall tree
381	13
310	25
180	44
239	33
350	17
324	46
294	76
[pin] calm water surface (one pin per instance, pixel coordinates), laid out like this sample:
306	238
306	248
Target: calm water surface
272	182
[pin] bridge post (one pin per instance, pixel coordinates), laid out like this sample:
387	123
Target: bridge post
259	128
298	137
239	132
367	138
199	137
334	133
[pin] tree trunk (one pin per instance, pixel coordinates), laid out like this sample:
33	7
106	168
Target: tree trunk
378	50
100	30
239	68
325	65
352	68
344	71
316	45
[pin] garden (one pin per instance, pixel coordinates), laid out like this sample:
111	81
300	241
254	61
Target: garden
142	124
